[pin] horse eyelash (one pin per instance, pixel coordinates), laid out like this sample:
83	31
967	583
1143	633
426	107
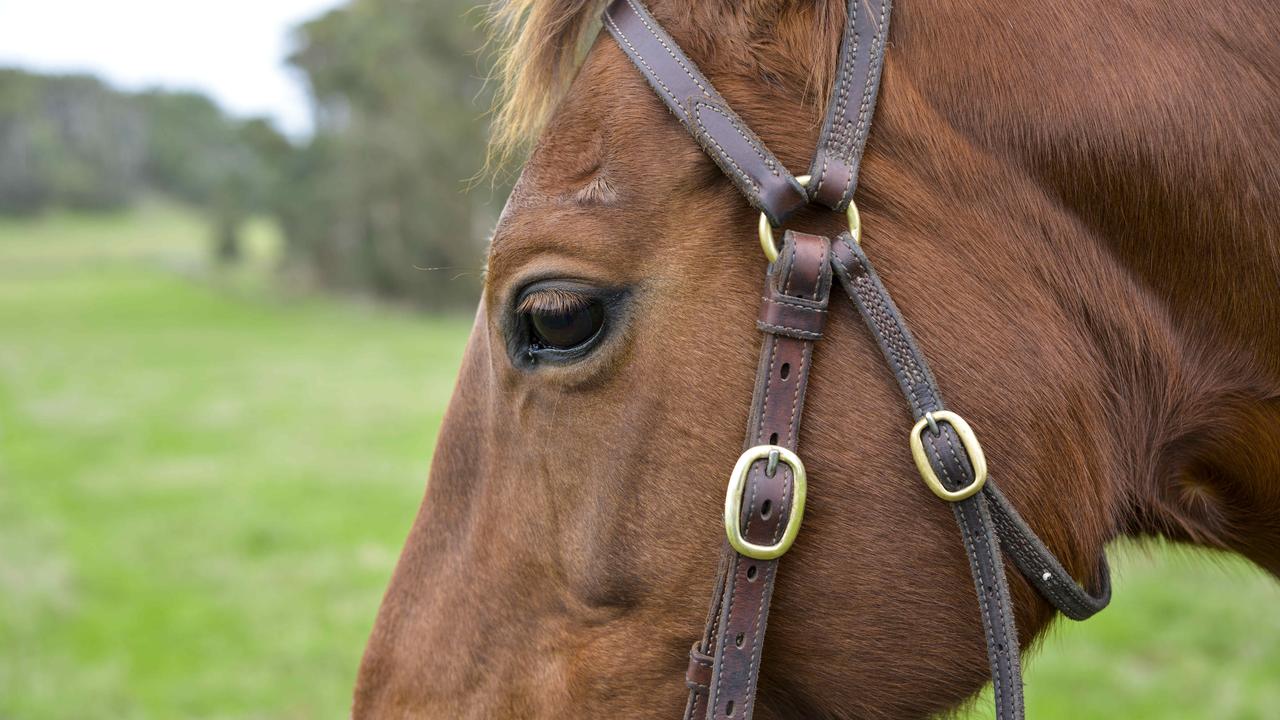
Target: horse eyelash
553	301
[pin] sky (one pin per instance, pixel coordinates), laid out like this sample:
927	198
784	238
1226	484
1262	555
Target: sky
232	50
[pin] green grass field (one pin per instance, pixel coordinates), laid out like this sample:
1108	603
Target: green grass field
204	485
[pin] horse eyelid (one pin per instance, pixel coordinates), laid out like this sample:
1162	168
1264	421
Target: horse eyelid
552	300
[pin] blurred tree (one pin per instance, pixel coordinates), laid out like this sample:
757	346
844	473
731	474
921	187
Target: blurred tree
66	140
399	103
376	201
73	142
229	168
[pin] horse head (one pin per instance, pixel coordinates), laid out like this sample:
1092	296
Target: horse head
1069	205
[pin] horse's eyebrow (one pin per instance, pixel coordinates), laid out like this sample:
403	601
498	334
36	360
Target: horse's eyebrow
596	192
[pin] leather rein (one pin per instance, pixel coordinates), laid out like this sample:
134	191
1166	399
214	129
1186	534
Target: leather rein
766	495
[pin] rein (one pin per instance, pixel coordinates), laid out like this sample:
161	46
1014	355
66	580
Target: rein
764	504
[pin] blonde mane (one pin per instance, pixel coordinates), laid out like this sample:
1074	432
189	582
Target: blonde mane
539	44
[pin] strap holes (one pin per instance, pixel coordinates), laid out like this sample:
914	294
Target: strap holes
751	573
737	641
773	439
765	508
728	708
785	370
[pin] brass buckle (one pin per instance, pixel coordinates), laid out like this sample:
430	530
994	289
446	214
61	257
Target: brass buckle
971	447
733	501
766	229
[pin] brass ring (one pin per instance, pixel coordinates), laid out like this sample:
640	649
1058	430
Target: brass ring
733	502
968	441
766	229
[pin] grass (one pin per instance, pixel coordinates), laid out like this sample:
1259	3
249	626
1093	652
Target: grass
203	488
1187	635
204	485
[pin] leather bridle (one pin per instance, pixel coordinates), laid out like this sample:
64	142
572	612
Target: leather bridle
765	499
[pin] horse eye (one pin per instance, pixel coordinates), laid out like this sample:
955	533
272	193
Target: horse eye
565	328
560	321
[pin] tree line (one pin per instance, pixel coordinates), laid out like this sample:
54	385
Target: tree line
385	198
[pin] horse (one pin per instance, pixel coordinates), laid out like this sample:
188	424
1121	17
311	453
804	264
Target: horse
1073	204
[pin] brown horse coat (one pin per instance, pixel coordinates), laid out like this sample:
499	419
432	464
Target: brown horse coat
1074	204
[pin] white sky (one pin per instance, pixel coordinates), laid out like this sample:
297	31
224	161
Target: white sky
233	50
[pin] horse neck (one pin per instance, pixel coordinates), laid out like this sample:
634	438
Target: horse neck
1183	314
1194	382
1190	332
1154	232
1194	404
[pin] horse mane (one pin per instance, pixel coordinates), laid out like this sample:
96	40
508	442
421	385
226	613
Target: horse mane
540	44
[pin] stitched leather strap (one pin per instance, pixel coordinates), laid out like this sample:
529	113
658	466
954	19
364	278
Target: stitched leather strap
724	665
722	134
1039	566
801	280
986	519
852	103
951	465
1035	561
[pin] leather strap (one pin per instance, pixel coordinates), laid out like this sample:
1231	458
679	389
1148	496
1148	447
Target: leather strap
724	666
852	103
951	465
986	519
1033	559
760	176
799	281
1039	566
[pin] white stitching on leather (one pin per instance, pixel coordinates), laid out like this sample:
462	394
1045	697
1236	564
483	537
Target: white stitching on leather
657	35
868	97
697	117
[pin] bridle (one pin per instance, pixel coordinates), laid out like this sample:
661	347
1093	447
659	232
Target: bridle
766	495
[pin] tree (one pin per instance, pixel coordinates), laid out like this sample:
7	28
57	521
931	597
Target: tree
399	104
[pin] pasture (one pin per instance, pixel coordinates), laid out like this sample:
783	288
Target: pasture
205	482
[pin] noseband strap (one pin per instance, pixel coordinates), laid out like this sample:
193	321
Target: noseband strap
765	501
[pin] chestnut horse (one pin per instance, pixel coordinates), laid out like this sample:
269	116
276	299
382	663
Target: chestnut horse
1074	204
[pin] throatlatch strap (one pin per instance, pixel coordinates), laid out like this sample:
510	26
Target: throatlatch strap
984	518
1039	566
951	465
717	128
852	103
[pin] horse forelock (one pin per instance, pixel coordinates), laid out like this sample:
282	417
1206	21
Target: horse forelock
539	46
